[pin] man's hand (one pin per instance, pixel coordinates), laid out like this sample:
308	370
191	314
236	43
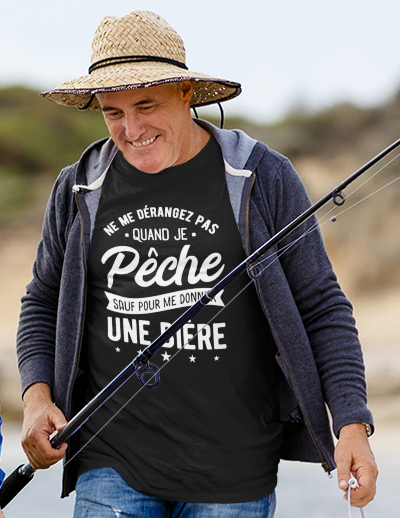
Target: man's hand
41	419
354	455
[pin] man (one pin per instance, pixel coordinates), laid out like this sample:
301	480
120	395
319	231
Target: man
135	232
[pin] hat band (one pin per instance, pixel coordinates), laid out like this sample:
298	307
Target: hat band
133	59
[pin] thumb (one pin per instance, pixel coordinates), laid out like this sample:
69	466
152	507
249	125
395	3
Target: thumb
343	481
343	463
63	448
56	421
57	418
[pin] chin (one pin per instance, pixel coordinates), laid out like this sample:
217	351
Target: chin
146	166
151	171
149	168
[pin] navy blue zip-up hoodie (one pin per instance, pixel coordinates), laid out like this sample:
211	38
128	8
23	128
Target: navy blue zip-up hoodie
311	320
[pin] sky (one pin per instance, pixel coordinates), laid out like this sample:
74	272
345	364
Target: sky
286	54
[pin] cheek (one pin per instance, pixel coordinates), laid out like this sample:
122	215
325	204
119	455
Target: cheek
115	129
171	133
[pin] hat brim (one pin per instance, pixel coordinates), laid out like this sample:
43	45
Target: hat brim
78	92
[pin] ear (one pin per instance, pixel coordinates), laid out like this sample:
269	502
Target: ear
187	90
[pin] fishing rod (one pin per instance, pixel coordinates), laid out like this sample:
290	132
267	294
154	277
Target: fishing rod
141	365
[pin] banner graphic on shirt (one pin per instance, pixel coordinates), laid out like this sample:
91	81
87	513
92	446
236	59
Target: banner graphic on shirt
173	300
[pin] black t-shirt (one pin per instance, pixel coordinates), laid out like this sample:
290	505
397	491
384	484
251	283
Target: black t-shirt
210	431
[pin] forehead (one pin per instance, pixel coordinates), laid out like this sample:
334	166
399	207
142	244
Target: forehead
135	96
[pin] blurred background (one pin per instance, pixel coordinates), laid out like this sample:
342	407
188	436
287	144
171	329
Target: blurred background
321	84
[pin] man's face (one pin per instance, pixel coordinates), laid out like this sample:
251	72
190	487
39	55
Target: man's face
151	126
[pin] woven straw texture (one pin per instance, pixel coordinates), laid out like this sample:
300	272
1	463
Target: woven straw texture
141	33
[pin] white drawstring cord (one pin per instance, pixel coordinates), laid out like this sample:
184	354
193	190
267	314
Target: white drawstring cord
353	484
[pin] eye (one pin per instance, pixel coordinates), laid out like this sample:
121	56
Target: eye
112	114
146	108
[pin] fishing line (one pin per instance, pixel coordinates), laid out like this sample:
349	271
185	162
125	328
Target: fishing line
359	187
188	342
369	196
251	268
60	469
373	175
353	484
154	375
320	222
56	470
275	256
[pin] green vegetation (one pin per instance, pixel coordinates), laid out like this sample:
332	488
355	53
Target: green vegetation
37	137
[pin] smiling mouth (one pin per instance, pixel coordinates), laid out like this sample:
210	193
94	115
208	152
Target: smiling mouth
144	143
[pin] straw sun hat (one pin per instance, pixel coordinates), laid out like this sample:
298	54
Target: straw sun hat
134	51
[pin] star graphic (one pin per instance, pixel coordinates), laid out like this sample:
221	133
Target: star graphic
192	358
118	349
166	356
140	352
216	358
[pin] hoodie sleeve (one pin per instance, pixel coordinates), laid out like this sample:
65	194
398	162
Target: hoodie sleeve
324	309
38	317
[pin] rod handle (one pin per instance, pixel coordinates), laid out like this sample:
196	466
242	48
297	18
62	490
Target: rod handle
14	483
55	443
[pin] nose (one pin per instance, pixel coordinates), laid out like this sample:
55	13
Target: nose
134	126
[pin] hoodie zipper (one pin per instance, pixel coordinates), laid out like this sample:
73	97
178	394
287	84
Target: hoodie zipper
75	191
325	465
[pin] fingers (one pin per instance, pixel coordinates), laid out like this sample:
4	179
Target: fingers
38	449
41	419
36	444
42	456
365	493
353	455
366	477
343	462
360	496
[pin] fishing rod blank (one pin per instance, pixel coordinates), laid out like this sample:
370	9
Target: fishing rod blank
141	365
